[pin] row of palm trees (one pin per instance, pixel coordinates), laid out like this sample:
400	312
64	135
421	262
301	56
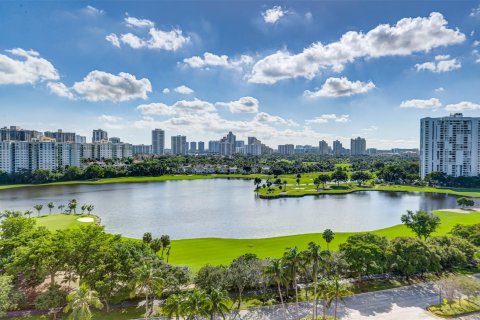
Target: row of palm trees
71	205
197	303
315	266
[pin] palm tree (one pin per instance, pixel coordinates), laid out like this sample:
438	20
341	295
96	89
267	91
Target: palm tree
337	289
292	257
197	304
79	302
50	206
168	252
90	208
328	235
61	207
38	207
84	207
28	213
72	205
275	272
314	256
174	306
284	185
147	281
218	301
323	285
257	182
165	240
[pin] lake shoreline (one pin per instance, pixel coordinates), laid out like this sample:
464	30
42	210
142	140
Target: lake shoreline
262	194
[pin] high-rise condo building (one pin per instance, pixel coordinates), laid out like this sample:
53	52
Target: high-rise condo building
99	135
15	133
201	147
286	149
158	141
337	148
61	136
179	145
358	146
193	147
450	145
323	147
213	146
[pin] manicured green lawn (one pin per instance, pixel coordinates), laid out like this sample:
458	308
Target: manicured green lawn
195	253
456	308
62	221
198	252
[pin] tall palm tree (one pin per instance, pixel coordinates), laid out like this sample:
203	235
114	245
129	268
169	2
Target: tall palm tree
61	207
165	240
50	206
72	205
314	256
90	208
197	304
84	207
79	302
328	235
218	301
336	290
292	257
147	281
39	208
257	182
275	272
323	285
174	306
28	213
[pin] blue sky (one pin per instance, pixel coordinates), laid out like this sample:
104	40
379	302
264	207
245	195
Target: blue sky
286	72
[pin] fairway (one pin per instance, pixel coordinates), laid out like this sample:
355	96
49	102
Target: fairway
195	253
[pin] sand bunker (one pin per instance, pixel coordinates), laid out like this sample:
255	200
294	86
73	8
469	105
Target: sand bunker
85	219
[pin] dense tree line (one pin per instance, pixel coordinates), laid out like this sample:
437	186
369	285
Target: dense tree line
275	165
109	269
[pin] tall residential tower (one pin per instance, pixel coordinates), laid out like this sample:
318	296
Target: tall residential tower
450	145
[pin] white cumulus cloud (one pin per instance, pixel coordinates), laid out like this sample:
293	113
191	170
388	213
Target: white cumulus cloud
442	63
104	86
407	36
113	39
166	90
431	103
325	118
272	15
340	87
156	39
141	23
462	106
213	60
183	90
242	105
61	90
25	66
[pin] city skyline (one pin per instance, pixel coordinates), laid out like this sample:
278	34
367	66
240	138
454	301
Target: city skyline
299	77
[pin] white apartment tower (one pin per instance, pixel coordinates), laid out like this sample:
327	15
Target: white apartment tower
450	145
178	145
358	146
99	135
158	141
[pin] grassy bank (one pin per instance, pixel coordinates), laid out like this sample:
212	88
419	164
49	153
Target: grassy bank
198	252
195	253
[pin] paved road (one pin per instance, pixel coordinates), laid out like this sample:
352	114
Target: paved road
404	303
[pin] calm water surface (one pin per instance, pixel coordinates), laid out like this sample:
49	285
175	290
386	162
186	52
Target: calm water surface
225	208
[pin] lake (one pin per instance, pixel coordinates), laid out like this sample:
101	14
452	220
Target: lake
225	208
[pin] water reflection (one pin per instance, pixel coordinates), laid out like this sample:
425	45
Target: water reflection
226	208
